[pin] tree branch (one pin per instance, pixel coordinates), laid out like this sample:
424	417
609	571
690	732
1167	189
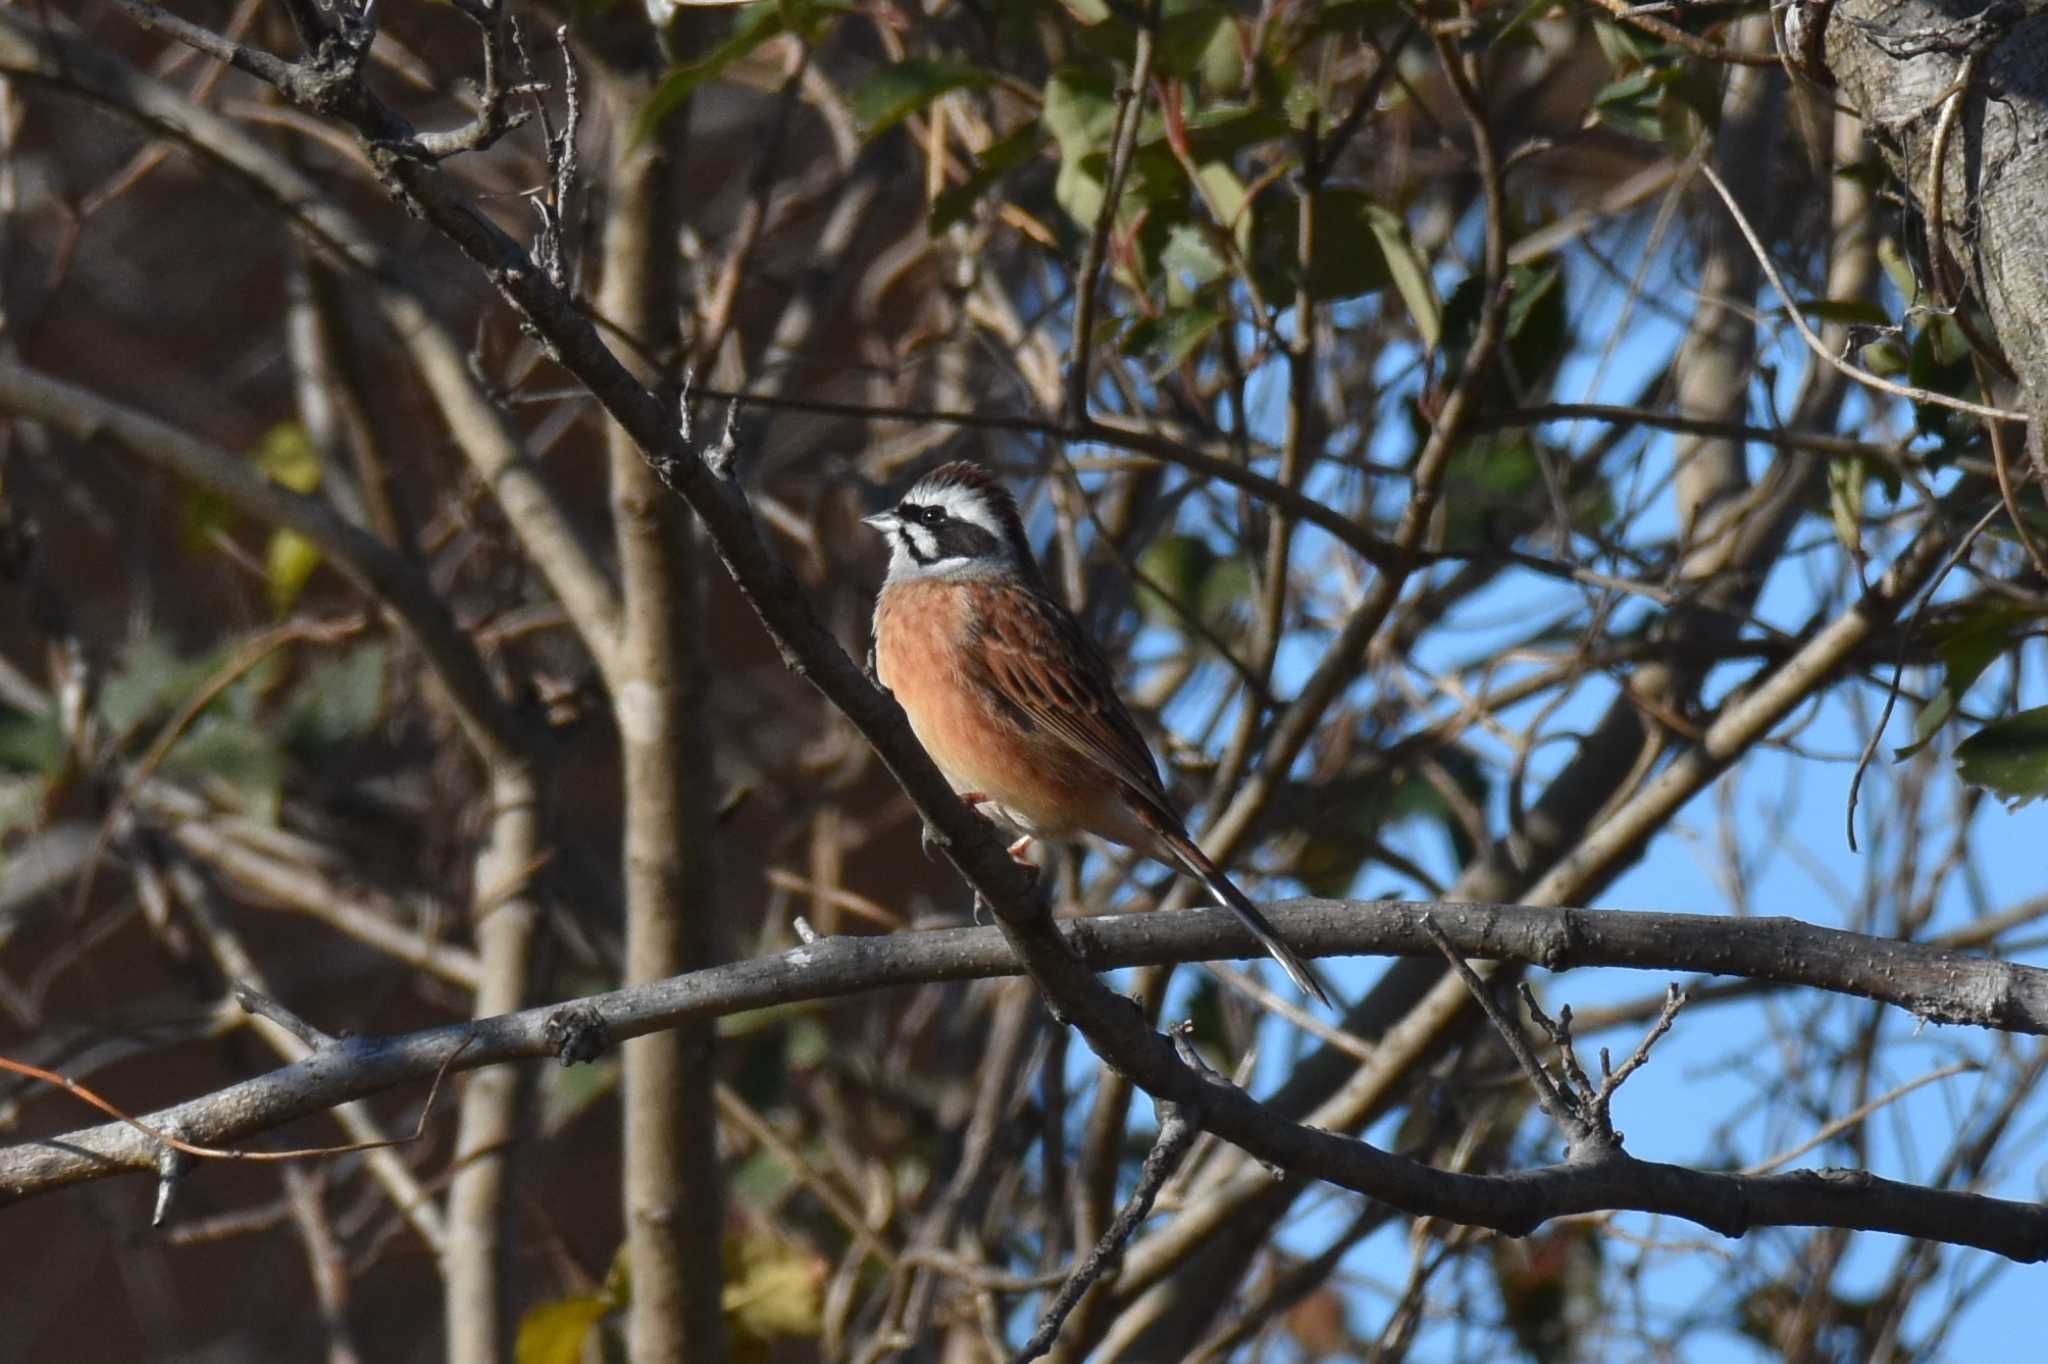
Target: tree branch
382	574
1513	1203
675	1231
1932	984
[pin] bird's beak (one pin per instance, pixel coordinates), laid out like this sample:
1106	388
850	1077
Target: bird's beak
882	521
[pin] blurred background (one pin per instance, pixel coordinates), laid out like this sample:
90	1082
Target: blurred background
1449	275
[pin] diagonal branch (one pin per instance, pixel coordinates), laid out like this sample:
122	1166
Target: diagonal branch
379	571
1517	1203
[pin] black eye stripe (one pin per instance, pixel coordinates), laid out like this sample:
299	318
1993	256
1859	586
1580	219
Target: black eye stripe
964	540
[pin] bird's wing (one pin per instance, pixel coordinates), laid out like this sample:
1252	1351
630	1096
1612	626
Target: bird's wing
1042	666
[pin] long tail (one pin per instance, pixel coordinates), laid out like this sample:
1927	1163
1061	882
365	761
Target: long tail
1190	855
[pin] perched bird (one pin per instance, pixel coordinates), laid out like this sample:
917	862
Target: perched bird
1012	699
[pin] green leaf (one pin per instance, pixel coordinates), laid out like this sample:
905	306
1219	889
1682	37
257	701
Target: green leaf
1225	196
1899	270
1966	648
30	743
751	27
1173	337
203	514
1192	576
1632	106
1221	131
2009	757
1539	331
1940	362
1409	272
1347	258
340	701
1625	48
1189	259
807	1044
761	1182
894	93
1086	13
555	1332
1492	491
237	753
1302	102
1221	65
1079	111
1003	155
1844	310
287	456
1183	39
149	678
1886	357
1345	17
1846	478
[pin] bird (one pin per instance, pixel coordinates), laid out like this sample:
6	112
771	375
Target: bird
1012	699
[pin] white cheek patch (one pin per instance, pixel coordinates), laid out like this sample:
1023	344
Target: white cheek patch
920	543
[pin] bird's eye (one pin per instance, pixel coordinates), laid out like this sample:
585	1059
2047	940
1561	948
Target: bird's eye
930	516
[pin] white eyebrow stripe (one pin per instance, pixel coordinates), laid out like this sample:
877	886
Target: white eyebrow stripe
964	503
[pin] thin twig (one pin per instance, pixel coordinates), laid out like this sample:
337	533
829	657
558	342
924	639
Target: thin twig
1124	142
1177	1132
1819	348
197	1151
256	1002
1891	696
1829	1131
1678	37
1555	1101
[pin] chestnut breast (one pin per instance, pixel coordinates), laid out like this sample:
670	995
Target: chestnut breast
1035	782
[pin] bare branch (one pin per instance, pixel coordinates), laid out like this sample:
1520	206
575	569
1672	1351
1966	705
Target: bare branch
381	573
1176	1134
1935	984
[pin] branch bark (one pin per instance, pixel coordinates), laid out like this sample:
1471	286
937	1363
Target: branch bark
674	1227
1513	1203
477	1265
1934	985
1993	217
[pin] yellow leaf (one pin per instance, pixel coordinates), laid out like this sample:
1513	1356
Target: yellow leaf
290	560
555	1332
288	456
772	1289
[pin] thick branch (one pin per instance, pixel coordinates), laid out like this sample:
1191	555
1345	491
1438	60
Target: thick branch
675	1233
1514	1203
482	1204
1933	984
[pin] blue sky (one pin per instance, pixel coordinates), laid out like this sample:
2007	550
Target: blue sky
1786	814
